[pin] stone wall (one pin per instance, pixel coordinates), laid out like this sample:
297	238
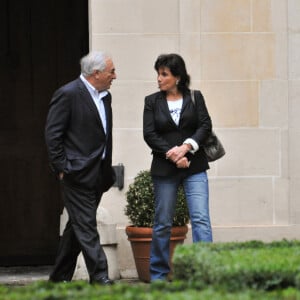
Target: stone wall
244	56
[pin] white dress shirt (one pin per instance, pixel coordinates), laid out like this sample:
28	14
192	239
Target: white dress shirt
97	98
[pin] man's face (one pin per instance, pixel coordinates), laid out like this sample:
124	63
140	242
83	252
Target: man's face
104	79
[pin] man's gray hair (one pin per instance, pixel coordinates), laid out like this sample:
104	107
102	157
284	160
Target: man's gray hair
95	60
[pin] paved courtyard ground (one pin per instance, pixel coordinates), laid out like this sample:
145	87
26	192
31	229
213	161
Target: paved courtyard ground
26	275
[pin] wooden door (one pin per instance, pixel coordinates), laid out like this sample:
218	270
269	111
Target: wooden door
41	44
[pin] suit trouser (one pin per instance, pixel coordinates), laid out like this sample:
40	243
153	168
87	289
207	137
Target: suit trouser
80	234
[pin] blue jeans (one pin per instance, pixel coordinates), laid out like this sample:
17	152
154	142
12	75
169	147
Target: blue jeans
165	190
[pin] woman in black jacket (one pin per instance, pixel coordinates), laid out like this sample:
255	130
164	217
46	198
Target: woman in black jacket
175	129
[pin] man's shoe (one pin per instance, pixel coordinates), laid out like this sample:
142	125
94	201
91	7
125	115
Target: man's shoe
103	281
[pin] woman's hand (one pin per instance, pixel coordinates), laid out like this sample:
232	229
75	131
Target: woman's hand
178	152
183	163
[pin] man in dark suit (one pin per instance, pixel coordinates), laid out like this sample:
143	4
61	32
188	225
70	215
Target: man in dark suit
79	142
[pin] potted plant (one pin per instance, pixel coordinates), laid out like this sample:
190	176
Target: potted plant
140	211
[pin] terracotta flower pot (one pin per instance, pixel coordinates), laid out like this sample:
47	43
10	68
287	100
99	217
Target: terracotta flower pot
140	239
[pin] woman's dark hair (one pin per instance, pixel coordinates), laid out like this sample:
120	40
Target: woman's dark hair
177	67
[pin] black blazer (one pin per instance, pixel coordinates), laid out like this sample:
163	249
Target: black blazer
161	133
75	137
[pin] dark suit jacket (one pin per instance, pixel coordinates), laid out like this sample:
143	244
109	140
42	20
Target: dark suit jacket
75	137
161	133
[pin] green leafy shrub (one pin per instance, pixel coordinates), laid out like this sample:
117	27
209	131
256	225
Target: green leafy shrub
254	264
80	290
140	203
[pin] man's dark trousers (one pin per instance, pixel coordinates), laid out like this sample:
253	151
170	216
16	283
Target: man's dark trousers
80	234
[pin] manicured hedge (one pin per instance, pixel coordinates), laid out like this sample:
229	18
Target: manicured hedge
156	291
236	266
219	271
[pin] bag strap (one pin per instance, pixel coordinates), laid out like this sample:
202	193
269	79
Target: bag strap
193	96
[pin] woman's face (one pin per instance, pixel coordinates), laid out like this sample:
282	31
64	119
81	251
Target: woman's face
166	80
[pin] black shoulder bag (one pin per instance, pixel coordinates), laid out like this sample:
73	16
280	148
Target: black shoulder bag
212	146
